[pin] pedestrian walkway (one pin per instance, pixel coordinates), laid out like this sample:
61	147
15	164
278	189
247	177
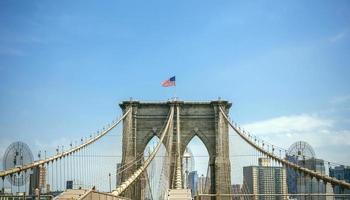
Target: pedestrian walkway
179	194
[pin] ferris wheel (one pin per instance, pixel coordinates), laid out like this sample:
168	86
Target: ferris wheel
301	150
17	155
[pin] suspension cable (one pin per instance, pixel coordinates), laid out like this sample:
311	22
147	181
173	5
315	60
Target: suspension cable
100	176
137	173
62	154
324	177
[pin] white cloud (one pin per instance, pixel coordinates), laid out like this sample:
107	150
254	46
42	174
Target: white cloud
284	131
289	124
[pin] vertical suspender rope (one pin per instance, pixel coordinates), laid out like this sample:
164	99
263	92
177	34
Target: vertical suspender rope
56	173
72	168
60	174
76	166
80	164
51	186
64	173
10	183
80	169
326	178
24	179
87	167
3	184
83	167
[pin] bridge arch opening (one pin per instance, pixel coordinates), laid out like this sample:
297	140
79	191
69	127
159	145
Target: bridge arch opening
195	164
154	176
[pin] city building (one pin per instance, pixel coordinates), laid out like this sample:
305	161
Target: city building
193	182
236	189
38	180
342	173
118	175
203	186
300	184
265	179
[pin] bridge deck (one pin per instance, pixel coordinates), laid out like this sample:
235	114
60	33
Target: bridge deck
180	194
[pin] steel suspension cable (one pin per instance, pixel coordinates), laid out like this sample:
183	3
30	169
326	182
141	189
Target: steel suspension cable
119	173
137	173
164	174
149	187
131	162
326	178
62	154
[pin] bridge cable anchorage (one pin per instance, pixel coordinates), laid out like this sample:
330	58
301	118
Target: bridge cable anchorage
296	167
139	171
58	156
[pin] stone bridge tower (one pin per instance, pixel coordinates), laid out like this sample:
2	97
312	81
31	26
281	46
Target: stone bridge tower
202	119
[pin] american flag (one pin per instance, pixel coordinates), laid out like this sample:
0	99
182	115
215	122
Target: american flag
169	82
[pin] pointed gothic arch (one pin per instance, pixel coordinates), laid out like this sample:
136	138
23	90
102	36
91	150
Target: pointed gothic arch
202	119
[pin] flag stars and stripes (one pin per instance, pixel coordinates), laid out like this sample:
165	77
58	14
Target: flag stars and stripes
169	82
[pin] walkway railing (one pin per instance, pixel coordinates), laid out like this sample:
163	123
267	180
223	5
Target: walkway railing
26	197
256	196
96	195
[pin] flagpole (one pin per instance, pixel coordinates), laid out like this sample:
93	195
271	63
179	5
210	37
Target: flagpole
170	82
175	92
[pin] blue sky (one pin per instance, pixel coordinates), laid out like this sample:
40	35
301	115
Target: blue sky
65	66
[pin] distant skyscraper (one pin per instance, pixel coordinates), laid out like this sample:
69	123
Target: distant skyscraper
265	179
308	185
193	182
292	176
236	189
118	176
203	185
37	180
298	183
342	173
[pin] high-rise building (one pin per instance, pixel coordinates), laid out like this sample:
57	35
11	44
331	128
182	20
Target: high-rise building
301	184
265	179
193	182
37	180
203	185
118	175
342	173
236	189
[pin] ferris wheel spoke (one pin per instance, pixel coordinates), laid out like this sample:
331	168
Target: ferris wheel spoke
17	155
